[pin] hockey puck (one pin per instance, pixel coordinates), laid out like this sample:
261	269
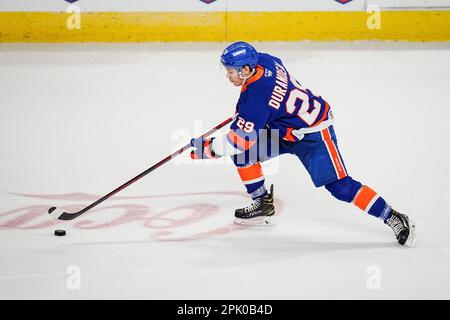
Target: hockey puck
60	233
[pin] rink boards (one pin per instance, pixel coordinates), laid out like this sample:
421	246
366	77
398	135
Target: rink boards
194	20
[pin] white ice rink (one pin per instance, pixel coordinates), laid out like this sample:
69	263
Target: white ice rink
76	121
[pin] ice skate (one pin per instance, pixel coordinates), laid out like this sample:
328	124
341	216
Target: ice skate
259	213
404	228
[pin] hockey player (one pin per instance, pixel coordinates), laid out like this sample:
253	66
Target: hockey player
275	105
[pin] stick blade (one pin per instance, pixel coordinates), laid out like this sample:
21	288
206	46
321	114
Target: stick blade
55	213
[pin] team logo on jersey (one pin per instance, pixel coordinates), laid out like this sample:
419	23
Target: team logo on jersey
343	1
330	115
268	73
208	1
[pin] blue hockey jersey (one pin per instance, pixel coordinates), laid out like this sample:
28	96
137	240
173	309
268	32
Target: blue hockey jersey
274	99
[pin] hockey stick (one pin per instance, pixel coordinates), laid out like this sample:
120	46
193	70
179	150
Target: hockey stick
61	215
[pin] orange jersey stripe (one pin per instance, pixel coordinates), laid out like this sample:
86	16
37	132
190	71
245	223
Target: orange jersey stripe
325	113
258	74
251	172
241	142
363	198
334	154
289	136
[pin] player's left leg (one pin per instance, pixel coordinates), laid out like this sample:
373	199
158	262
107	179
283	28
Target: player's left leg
321	157
371	202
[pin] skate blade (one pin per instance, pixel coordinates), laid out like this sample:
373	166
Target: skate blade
412	234
258	221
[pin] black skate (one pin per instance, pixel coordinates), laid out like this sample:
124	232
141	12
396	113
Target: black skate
404	228
260	212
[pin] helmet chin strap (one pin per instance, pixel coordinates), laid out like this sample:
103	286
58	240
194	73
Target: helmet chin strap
245	78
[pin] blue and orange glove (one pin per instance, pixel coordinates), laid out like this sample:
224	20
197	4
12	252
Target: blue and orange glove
202	149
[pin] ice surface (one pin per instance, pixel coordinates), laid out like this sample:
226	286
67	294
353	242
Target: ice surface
76	121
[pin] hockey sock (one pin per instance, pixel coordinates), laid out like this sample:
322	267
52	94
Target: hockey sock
362	196
369	201
253	178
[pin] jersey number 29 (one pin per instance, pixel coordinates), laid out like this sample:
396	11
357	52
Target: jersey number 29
247	126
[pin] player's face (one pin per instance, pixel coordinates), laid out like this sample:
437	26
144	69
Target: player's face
233	76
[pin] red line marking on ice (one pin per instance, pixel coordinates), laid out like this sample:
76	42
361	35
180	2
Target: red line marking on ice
163	223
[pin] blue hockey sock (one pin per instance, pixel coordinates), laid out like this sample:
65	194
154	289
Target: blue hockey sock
362	196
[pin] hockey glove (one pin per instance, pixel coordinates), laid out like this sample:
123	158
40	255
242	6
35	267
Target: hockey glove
202	149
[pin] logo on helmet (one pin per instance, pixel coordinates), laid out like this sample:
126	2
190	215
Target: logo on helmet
237	53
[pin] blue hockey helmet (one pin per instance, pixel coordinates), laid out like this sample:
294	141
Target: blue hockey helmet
239	54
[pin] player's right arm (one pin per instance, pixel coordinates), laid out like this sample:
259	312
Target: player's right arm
244	131
252	115
236	141
243	135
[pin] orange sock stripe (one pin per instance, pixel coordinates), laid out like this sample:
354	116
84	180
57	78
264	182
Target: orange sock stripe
364	197
334	154
252	172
